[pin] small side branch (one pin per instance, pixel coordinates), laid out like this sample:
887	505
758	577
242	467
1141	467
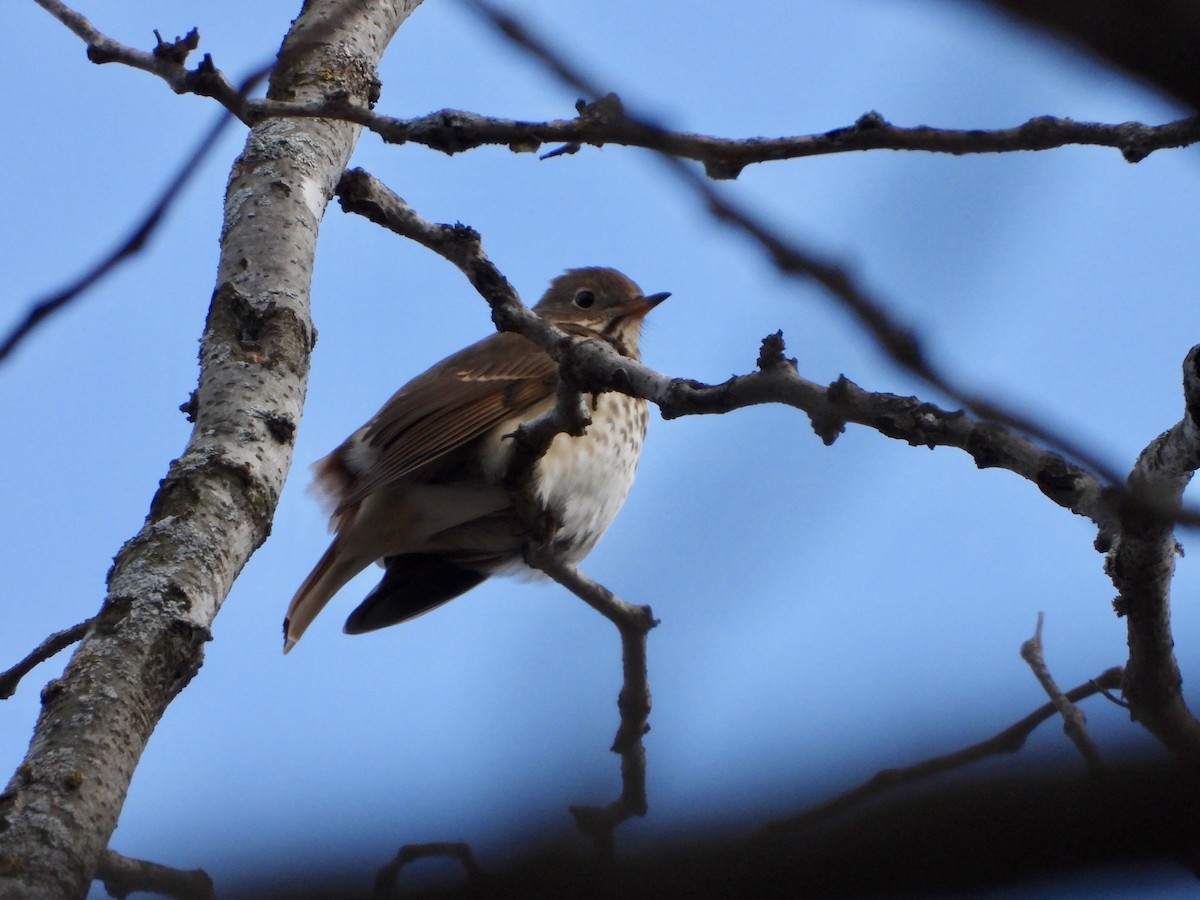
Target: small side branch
123	875
1010	740
55	643
166	60
634	702
1074	721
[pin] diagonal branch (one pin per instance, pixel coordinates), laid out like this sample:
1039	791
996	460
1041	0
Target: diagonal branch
593	367
215	505
1010	740
1074	721
55	643
136	241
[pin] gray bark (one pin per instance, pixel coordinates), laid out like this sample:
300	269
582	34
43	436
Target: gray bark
214	507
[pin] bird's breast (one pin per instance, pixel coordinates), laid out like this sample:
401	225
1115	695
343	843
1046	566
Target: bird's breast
584	480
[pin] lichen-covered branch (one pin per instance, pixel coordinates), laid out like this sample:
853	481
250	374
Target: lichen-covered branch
214	507
1141	563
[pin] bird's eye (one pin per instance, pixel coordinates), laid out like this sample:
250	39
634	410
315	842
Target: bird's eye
584	299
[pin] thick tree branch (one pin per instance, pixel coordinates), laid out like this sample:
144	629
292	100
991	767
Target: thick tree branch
1010	740
1141	563
214	507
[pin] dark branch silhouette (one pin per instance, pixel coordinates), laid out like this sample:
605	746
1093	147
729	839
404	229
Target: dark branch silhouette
1010	740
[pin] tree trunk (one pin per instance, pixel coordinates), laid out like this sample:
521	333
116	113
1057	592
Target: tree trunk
214	507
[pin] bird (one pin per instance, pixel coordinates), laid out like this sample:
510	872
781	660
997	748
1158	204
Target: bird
419	490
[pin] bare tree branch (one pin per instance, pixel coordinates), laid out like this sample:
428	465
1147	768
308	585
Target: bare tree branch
1010	740
123	876
590	366
453	131
129	247
139	238
895	338
214	508
1141	563
1074	721
166	60
60	640
634	702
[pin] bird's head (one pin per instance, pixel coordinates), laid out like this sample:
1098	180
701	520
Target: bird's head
599	300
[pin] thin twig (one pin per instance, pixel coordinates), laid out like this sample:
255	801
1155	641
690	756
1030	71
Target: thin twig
55	643
1010	740
137	239
1074	721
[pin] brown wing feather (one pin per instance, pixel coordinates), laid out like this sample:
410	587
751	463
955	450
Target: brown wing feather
459	399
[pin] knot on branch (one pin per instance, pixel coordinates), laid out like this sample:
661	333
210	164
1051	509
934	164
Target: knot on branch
605	111
1136	141
770	354
870	120
176	52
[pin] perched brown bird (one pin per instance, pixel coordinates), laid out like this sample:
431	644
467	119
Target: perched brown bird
418	487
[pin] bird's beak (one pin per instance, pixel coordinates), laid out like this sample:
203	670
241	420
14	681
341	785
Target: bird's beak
642	305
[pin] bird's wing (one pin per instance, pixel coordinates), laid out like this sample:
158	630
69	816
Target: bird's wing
459	399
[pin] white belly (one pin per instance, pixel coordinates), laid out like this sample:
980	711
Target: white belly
584	489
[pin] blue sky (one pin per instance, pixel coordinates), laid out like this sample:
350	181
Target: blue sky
825	611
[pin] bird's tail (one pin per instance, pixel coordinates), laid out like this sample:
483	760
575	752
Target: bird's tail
326	579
